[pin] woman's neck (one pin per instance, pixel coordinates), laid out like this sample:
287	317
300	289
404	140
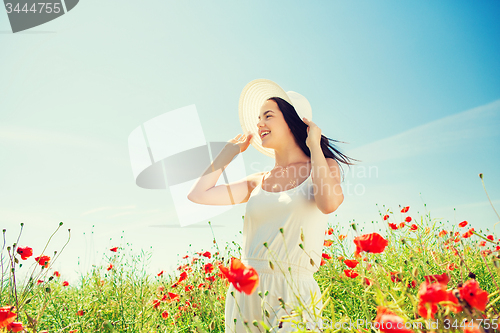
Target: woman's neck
292	156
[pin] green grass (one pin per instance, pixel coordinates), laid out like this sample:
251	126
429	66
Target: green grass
123	298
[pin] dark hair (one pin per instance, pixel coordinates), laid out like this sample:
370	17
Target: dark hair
299	131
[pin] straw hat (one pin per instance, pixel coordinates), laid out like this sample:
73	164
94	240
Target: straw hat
254	95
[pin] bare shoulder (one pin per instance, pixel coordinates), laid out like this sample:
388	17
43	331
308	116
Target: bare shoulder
254	179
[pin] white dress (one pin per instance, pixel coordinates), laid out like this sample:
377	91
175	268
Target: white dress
266	213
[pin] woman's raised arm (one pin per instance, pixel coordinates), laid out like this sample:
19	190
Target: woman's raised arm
205	192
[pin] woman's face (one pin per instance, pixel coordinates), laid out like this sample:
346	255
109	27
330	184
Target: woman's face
271	120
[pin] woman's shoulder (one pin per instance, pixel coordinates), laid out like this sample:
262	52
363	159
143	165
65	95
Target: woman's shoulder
256	178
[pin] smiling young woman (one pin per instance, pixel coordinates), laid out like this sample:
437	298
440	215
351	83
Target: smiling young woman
287	208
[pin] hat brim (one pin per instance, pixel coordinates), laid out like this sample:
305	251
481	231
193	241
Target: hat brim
252	97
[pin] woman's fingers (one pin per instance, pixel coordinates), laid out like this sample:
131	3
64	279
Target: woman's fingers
243	138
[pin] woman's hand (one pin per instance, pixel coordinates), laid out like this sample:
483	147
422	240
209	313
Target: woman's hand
313	134
242	141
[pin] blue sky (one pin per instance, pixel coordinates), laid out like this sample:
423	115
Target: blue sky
413	87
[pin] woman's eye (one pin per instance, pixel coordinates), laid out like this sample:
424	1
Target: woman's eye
267	117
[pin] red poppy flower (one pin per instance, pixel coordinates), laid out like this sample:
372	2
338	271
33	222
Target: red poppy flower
15	326
172	297
6	316
468	233
207	254
80	312
156	303
114	249
244	279
368	282
350	273
408	219
222	276
351	263
210	278
393	226
395	276
412	284
386	217
452	266
427	310
43	261
326	256
387	321
182	277
323	262
401	225
340	258
189	287
482	243
164	314
405	209
451	298
160	274
57	274
490	237
413	227
432	292
25	252
342	237
327	242
110	267
463	224
208	268
39	281
65	283
373	243
443	278
330	231
472	294
442	233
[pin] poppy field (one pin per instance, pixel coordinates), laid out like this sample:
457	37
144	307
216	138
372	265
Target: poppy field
418	274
